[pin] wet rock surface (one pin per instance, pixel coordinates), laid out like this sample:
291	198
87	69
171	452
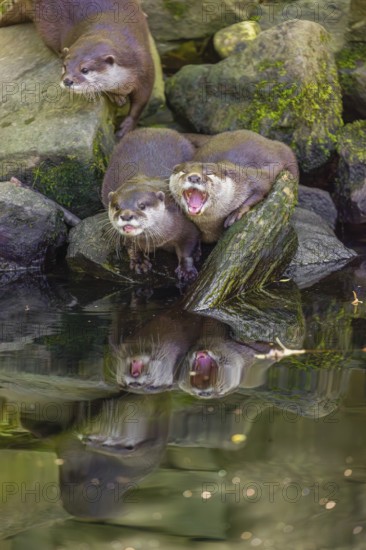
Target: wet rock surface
235	38
284	86
319	202
31	229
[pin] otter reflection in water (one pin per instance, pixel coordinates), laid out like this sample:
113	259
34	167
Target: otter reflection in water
218	365
148	359
106	455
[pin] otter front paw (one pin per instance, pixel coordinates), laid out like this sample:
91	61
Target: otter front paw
197	253
186	274
140	266
236	215
127	125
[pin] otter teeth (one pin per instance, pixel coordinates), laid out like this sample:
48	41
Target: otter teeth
195	200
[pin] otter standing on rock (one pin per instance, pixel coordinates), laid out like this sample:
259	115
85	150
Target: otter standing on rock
230	173
104	45
135	191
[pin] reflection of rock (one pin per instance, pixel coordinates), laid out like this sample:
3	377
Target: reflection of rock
148	359
284	85
296	386
217	364
319	251
350	182
111	452
31	229
222	423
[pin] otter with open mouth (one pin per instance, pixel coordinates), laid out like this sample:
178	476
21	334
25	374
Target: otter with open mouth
214	196
147	218
229	173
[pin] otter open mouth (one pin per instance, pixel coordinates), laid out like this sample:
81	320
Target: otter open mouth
195	200
130	228
205	371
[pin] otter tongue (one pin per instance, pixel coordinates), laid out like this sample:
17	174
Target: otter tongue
195	200
136	368
203	363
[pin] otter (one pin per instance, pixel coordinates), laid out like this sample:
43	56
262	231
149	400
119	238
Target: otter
228	175
147	360
152	152
218	365
147	218
104	45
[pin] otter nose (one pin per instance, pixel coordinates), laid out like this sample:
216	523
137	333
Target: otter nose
194	178
126	216
68	82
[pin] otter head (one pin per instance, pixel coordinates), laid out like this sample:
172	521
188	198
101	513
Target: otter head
91	67
213	369
134	212
198	187
143	366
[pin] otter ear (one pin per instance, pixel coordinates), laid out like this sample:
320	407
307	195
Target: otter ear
64	52
110	196
161	196
110	59
178	168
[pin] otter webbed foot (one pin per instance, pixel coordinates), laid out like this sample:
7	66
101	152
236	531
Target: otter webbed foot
127	125
236	215
140	265
186	274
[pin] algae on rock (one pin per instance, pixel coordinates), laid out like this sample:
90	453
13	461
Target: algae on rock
284	85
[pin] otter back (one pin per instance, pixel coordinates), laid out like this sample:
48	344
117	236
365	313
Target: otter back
152	152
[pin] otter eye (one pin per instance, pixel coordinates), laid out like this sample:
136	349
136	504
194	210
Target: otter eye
84	70
141	206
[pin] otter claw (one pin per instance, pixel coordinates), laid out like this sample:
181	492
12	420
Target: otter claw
140	266
235	216
186	275
127	125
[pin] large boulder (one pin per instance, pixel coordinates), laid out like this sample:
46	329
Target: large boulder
320	202
31	229
284	85
350	184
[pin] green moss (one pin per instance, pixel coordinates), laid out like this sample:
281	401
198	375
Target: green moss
72	183
347	61
178	8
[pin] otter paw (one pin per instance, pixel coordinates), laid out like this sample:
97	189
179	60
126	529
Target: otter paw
186	275
197	253
127	125
235	216
140	266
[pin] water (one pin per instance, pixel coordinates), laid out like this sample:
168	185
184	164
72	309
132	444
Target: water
101	451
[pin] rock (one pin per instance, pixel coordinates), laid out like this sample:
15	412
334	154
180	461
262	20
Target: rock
172	20
235	38
350	184
95	251
31	229
284	85
333	16
252	253
351	62
357	21
319	252
318	201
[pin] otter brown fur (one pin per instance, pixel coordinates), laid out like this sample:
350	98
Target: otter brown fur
105	48
147	218
229	174
152	152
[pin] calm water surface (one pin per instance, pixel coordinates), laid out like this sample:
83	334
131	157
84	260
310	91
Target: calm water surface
127	423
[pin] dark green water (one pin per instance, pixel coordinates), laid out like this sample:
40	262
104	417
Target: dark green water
98	452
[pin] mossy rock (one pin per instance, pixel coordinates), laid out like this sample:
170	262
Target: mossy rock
284	85
351	63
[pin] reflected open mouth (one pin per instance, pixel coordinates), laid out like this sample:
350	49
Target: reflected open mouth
205	371
195	200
